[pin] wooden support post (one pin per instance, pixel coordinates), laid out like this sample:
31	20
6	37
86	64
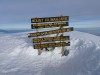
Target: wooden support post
39	50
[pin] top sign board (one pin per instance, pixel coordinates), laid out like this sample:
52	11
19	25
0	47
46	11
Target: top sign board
49	19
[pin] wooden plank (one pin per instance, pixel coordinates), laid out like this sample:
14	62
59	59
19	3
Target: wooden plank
51	39
49	25
50	19
50	32
47	45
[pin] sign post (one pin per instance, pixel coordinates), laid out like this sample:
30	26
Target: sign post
50	42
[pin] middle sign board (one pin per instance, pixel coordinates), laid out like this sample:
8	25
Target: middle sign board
50	32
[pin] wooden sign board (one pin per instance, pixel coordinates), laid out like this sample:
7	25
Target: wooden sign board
49	25
47	45
50	32
49	19
51	39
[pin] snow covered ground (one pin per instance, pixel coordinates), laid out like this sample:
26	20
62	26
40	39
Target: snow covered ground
17	56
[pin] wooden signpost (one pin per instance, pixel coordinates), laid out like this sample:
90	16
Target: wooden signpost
50	42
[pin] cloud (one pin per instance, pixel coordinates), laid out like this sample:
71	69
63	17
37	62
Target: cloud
16	11
85	24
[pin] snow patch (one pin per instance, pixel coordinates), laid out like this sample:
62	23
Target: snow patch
17	56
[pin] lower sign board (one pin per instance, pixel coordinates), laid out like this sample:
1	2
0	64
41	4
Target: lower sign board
48	25
50	32
47	45
51	39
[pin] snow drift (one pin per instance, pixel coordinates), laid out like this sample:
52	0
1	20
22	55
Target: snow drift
17	56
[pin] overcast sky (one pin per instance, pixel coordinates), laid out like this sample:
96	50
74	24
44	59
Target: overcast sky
18	13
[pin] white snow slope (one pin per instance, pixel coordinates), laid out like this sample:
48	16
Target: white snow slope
17	56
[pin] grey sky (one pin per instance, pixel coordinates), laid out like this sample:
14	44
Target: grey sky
20	11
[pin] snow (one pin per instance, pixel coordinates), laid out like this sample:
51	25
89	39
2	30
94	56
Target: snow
17	56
